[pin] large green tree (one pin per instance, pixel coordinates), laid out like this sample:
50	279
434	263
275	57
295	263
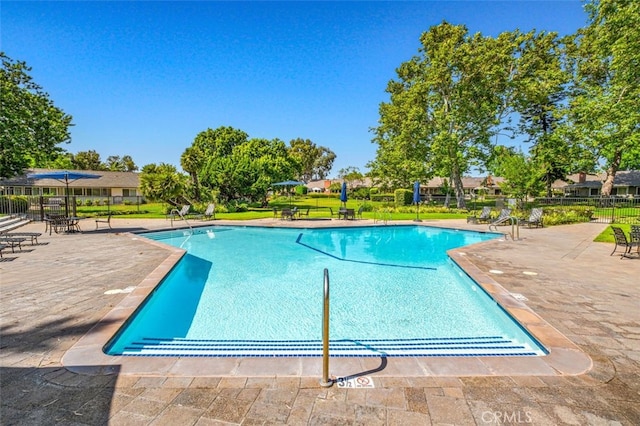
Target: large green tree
227	162
87	160
446	105
162	182
315	161
260	162
520	171
540	94
31	126
208	161
605	107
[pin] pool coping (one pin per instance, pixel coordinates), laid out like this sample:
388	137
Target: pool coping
564	357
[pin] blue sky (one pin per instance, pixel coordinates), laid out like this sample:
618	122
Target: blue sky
144	78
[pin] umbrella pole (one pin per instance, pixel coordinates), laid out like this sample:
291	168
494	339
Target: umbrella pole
66	204
417	219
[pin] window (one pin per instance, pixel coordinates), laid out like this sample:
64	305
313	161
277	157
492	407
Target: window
126	192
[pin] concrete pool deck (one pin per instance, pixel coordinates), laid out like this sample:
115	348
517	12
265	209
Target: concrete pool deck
54	293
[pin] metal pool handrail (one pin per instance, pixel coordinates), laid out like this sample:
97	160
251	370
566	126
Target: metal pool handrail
325	382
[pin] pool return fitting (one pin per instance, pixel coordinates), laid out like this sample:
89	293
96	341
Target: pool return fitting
325	382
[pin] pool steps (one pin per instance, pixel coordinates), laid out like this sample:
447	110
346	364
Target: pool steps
462	346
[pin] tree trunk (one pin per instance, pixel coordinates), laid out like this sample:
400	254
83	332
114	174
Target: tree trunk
457	185
196	186
607	185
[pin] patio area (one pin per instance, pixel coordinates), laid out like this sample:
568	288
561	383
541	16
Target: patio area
53	293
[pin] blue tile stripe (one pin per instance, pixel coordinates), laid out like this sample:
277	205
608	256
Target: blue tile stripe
464	346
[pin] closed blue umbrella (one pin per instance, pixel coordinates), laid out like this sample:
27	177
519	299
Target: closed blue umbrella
65	177
343	193
416	199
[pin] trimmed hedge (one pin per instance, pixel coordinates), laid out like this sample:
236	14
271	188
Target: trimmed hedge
403	197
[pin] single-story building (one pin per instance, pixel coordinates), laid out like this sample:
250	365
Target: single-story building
118	185
489	185
625	183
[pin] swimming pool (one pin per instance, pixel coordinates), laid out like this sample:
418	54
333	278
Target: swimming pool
252	291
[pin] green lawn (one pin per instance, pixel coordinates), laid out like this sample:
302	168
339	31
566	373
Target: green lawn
607	235
318	208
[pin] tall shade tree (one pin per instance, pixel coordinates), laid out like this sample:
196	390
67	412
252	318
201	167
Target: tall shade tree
605	107
540	97
447	103
225	161
260	162
315	161
31	126
208	160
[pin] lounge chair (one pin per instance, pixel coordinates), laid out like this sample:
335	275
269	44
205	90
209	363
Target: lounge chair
484	217
303	213
534	220
107	221
359	213
2	247
208	213
503	219
622	241
182	213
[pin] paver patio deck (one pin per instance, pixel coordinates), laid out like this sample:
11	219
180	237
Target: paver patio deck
53	293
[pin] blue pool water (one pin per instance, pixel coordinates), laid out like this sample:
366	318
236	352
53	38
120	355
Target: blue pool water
249	291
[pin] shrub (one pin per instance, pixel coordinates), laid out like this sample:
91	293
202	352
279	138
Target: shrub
560	216
88	202
323	195
301	190
361	192
367	207
403	197
382	197
221	208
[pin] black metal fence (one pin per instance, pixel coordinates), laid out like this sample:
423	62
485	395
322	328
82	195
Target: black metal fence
615	209
36	207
